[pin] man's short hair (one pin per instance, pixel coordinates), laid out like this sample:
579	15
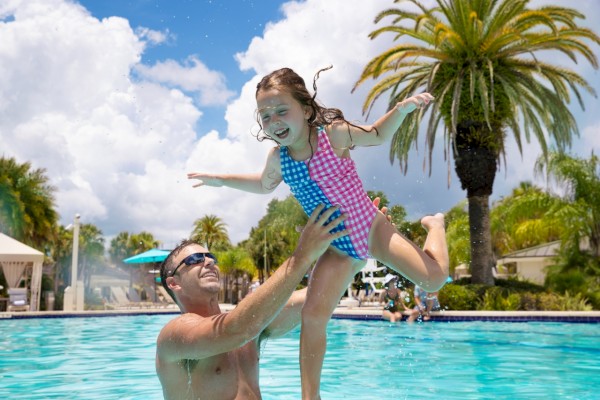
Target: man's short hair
167	266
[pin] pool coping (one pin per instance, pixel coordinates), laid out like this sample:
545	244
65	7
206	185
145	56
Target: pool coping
360	313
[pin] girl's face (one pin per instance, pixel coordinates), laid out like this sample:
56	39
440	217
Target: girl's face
282	117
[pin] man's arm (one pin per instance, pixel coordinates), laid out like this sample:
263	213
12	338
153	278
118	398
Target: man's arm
288	318
194	337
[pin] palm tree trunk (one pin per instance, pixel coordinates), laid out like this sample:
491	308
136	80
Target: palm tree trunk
481	240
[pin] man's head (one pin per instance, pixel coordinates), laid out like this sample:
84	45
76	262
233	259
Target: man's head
187	262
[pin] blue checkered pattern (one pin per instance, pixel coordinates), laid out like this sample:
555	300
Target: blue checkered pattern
309	195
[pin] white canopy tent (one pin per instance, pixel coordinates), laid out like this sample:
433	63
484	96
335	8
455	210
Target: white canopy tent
17	259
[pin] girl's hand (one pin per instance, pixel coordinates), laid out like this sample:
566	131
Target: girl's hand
205	179
412	103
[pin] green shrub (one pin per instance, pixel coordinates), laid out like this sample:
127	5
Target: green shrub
514	284
456	297
573	281
575	302
499	299
529	301
549	302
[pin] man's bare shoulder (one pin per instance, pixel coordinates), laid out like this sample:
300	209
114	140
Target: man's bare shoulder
179	323
176	335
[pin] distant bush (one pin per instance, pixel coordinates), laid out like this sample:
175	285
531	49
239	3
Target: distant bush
513	295
518	285
456	297
499	299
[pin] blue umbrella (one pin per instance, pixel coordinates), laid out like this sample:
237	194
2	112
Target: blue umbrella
150	256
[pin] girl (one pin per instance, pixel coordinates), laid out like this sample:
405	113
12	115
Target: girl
312	156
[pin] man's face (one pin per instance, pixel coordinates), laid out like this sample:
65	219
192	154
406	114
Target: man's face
197	269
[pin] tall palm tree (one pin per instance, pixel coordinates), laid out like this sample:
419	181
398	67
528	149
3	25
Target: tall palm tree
91	250
211	231
480	59
120	249
27	210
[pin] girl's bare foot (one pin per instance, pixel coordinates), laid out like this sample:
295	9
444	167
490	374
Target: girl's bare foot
433	221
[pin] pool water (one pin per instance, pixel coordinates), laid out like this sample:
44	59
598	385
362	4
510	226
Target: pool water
113	358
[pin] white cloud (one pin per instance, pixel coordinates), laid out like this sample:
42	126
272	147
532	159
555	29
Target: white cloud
152	36
191	76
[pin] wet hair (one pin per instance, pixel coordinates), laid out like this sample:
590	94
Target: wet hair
286	80
168	265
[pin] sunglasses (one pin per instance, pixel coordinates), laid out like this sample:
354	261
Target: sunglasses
194	259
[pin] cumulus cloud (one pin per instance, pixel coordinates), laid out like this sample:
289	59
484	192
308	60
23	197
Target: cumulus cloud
117	136
191	76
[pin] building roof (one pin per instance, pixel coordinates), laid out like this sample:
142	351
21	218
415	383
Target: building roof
542	251
13	250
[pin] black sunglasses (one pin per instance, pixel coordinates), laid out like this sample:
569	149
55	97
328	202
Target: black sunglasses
194	259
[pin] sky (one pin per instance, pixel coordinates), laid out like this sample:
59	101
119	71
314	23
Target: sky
118	99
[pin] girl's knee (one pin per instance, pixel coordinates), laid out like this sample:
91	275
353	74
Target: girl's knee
315	313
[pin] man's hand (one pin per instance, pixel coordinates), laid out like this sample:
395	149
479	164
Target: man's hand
383	210
316	235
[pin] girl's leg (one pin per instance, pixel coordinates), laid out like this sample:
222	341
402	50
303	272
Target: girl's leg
329	279
427	267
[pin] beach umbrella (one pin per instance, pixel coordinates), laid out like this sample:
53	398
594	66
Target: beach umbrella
150	256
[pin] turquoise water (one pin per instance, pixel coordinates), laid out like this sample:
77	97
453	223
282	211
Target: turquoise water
113	358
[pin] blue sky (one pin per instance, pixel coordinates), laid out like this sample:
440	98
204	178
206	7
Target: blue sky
213	31
118	100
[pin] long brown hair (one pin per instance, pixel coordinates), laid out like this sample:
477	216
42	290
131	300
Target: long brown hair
287	80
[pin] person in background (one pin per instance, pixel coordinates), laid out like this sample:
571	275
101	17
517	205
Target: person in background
392	296
424	303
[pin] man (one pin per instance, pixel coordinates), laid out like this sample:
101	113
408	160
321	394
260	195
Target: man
207	354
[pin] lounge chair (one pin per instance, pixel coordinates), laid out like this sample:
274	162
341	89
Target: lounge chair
164	296
17	300
118	297
136	300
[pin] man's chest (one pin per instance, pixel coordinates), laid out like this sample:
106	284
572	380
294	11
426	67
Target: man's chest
229	376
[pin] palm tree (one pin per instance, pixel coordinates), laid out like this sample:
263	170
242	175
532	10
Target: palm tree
521	219
91	249
579	213
120	249
232	263
479	59
211	232
61	253
27	209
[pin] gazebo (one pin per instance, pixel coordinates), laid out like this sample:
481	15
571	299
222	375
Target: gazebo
17	259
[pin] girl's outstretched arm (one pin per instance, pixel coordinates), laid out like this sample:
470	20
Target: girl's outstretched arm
344	136
264	182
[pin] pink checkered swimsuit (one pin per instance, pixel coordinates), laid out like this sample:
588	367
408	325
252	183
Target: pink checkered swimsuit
332	181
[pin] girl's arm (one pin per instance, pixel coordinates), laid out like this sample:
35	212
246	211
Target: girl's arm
264	182
343	135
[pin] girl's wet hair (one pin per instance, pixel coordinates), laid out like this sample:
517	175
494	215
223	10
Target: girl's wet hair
286	80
